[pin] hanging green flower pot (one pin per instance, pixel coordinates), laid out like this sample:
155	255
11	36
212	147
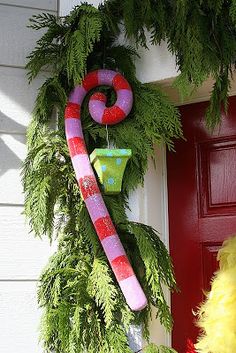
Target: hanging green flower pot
110	166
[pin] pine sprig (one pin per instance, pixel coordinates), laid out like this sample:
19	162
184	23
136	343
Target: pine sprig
158	268
219	99
80	45
42	20
48	47
152	348
51	94
103	289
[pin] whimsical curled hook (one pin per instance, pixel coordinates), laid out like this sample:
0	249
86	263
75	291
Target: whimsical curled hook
96	207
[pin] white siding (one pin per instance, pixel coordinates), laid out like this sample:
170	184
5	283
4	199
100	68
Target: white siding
12	153
22	257
48	5
16	99
65	6
16	40
149	206
19	317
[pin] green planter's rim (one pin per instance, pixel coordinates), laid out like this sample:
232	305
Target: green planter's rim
107	152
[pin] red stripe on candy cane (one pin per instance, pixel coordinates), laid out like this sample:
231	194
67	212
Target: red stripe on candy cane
113	115
122	268
99	96
104	227
76	146
102	222
88	186
72	111
90	81
119	82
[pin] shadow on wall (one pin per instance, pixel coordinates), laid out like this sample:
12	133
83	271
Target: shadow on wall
16	104
9	125
12	145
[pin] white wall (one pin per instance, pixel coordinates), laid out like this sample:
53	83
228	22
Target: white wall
149	205
21	256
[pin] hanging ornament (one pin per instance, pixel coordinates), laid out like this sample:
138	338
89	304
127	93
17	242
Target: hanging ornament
110	166
100	217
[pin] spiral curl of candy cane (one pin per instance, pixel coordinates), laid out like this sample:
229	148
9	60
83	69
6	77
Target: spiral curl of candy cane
96	207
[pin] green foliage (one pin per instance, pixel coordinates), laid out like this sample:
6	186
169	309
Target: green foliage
51	94
80	42
201	35
47	47
70	40
157	268
102	288
83	307
152	348
232	11
218	101
159	119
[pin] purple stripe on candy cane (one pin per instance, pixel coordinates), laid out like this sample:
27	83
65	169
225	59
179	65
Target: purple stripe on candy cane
124	100
133	293
96	207
96	109
81	165
77	95
105	77
113	247
73	128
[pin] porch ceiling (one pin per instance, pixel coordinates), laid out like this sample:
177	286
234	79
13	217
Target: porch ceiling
200	95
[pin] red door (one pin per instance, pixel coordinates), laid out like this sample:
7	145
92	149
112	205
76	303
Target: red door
202	210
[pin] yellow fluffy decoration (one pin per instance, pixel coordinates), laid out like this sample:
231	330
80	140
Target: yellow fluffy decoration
217	316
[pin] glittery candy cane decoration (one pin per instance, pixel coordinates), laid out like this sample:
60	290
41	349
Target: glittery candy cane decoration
101	219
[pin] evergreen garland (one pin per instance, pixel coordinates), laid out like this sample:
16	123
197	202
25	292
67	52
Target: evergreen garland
201	34
83	308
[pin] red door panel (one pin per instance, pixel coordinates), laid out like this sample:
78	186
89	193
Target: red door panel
202	210
209	262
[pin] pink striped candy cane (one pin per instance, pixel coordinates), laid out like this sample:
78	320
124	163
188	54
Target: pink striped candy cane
101	219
